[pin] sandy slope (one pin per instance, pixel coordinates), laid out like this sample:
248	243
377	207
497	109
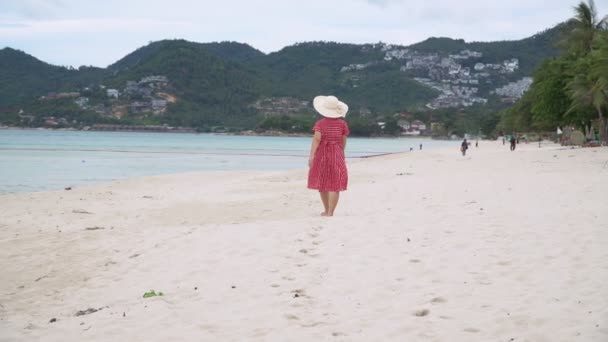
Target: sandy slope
427	246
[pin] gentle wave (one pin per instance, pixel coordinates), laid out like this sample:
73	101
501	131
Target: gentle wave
35	160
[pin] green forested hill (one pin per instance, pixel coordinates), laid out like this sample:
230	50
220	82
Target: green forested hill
209	90
23	77
234	51
230	51
219	84
137	56
530	51
308	69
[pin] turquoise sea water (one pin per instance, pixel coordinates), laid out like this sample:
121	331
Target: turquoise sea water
38	160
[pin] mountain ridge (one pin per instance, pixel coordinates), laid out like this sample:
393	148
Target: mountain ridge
219	83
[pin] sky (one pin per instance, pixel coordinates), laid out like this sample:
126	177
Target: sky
100	32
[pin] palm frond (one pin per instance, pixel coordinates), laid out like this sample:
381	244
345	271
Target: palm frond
578	90
585	14
603	23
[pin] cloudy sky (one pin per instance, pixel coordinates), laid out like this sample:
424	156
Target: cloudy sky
99	32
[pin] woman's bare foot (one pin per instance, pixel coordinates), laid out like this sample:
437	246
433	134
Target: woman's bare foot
324	214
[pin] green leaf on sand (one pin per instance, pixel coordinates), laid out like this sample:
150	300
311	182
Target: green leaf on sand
152	293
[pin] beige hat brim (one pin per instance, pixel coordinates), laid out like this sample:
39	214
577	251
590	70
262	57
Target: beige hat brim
337	109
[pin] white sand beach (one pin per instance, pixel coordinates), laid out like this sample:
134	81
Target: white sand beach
426	246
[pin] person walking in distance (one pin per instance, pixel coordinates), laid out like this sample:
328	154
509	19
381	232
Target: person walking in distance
464	147
327	171
513	143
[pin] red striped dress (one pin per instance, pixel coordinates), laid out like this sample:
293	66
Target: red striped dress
328	170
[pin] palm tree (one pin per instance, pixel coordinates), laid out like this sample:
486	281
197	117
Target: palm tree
599	67
586	92
599	72
587	41
586	27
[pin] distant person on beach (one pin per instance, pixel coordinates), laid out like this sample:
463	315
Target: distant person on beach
513	143
476	143
327	164
420	147
464	147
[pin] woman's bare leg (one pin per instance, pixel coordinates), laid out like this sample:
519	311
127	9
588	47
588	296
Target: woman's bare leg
333	198
325	200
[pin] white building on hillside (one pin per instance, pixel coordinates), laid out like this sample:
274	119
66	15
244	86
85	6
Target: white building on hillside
113	93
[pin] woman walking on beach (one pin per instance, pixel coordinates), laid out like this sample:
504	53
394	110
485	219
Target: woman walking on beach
327	165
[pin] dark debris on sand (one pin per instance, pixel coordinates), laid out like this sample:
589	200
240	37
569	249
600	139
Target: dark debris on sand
87	311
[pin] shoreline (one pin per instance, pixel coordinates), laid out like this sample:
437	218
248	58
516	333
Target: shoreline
72	186
242	133
425	246
127	155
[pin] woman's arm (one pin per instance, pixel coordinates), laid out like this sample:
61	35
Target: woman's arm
343	142
316	140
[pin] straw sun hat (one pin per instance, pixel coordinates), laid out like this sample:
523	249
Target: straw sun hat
330	106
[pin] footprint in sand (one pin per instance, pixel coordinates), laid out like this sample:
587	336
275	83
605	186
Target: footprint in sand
422	312
471	330
260	332
307	252
438	300
414	261
299	293
312	325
